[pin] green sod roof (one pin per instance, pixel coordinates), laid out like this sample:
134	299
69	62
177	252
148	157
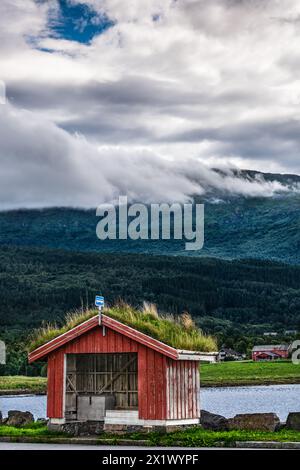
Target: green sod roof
180	332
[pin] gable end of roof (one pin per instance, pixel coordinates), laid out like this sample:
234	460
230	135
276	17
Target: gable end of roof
43	351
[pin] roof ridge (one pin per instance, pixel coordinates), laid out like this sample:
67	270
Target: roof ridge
78	330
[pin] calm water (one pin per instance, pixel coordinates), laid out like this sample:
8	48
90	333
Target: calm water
36	404
228	401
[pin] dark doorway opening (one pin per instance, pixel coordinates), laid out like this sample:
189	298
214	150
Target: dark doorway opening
96	382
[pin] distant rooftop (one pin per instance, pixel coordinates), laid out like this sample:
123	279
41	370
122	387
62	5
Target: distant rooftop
270	347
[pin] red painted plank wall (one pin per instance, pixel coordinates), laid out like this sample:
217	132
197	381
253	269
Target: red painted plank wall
152	384
151	371
55	390
183	389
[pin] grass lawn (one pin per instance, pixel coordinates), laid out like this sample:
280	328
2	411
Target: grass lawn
249	373
197	437
30	430
221	374
20	383
194	437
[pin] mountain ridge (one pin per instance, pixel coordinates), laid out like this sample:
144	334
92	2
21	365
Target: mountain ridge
262	228
236	227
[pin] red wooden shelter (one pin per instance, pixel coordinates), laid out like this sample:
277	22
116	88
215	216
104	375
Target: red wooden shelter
113	373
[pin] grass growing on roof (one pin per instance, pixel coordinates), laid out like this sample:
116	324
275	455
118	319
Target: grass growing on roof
49	331
179	332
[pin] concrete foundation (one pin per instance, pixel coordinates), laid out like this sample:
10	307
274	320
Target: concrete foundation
127	428
120	422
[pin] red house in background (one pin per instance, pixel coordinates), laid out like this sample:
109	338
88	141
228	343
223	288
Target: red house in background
112	374
270	352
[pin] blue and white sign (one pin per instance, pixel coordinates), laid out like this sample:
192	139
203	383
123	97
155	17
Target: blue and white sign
99	301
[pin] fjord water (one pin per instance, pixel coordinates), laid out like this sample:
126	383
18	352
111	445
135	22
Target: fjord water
36	404
227	401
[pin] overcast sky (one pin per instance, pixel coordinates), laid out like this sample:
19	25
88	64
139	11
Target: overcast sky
139	96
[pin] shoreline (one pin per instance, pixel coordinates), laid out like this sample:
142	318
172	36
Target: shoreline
246	383
249	383
7	393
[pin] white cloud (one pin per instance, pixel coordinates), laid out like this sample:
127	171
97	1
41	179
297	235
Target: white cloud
43	165
214	81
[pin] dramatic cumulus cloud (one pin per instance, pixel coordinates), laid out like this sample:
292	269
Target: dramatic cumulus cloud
164	91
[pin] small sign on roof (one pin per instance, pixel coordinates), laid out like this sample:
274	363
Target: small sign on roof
99	301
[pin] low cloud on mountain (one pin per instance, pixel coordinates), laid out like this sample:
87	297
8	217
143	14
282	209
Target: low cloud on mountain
144	98
43	165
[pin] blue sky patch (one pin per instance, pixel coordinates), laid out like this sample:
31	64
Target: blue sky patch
156	17
77	22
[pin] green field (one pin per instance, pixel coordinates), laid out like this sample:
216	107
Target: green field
22	384
35	429
249	373
221	374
